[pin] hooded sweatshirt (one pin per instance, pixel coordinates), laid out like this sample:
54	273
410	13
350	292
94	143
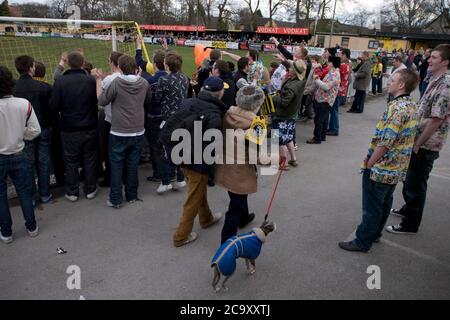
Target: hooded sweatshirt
128	95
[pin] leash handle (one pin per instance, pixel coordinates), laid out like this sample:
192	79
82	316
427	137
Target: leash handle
273	195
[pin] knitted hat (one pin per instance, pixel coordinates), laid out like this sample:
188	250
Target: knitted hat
250	98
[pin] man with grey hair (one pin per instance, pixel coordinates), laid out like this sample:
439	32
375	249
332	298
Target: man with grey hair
210	109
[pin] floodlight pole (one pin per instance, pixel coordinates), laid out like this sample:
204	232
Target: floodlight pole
198	2
332	24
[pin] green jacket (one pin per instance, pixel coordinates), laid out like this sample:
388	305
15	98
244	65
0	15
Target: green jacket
287	103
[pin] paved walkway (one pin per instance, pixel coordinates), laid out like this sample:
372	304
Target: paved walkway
128	254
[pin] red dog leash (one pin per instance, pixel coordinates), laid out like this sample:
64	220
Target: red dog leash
273	195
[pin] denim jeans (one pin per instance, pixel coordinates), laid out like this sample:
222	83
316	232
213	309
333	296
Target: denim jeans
358	103
38	155
374	85
80	146
15	166
422	87
415	188
152	131
322	110
377	202
333	125
125	153
237	214
380	85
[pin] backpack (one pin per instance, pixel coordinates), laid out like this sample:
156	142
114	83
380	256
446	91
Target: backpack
182	119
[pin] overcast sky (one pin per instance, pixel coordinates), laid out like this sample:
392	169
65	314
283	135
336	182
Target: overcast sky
344	7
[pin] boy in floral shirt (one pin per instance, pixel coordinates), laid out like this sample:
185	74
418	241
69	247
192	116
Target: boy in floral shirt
433	130
387	160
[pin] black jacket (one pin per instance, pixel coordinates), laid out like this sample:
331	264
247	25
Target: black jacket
229	96
74	96
38	94
213	111
423	68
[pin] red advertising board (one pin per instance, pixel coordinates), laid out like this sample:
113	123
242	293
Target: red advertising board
172	28
181	42
269	47
286	31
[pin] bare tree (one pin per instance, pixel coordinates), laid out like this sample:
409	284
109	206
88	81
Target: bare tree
253	12
407	15
34	9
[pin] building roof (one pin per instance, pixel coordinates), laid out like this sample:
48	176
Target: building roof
14	11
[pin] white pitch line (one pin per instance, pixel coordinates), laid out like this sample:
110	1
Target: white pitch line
408	250
440	176
416	253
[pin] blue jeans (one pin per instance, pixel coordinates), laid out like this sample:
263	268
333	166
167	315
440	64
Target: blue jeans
38	157
377	202
374	85
15	166
124	152
333	125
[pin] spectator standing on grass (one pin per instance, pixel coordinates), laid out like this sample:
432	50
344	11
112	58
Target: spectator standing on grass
128	94
387	160
18	122
74	97
434	124
36	151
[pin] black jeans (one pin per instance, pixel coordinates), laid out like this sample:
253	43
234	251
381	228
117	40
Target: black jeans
358	103
80	146
322	110
152	132
57	155
237	214
415	188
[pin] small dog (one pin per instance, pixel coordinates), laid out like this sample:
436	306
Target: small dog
247	246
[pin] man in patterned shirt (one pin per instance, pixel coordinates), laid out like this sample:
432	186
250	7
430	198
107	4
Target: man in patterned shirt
344	70
433	130
387	160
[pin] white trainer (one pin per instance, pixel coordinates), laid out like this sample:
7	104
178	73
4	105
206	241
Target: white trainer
179	185
71	198
164	188
92	195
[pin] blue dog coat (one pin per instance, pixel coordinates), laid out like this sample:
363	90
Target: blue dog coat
247	246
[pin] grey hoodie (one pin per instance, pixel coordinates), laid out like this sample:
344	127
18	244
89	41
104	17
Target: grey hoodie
129	95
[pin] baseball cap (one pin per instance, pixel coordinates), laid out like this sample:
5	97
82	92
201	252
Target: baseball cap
214	84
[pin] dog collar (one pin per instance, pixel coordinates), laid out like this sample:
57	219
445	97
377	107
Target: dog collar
260	234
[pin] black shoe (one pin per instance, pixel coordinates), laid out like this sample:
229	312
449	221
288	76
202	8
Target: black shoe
351	111
331	133
153	179
397	213
104	184
398	229
351	246
251	217
313	141
377	240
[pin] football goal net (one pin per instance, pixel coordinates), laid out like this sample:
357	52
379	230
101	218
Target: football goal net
47	39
